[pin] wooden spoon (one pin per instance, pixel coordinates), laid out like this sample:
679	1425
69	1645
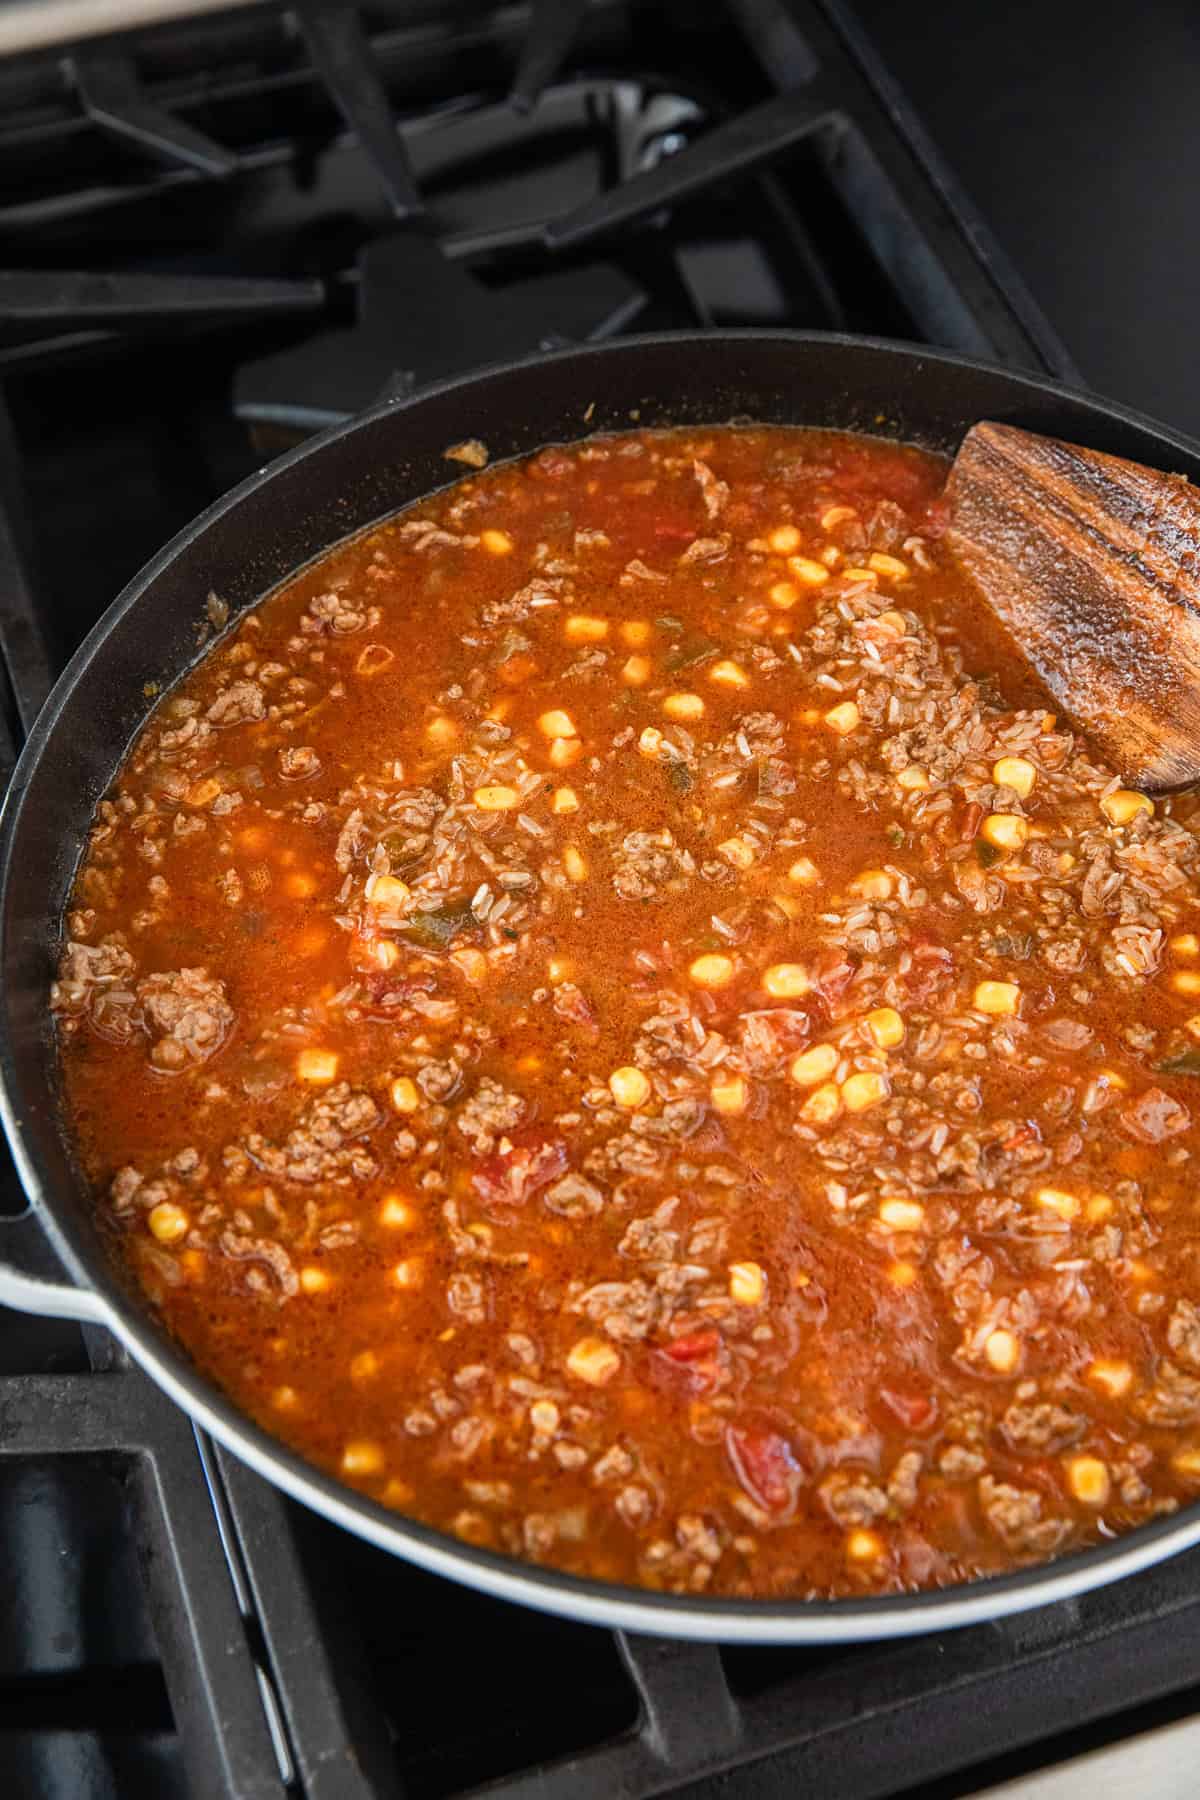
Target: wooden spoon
1093	565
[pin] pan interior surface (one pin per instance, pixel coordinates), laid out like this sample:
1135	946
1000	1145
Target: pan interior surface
282	519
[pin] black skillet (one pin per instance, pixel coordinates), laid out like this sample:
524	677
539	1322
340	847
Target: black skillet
52	1259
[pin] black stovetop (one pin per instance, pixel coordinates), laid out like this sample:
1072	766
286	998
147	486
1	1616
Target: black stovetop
169	1624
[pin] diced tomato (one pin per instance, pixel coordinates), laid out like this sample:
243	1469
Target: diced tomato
765	1465
693	1345
932	968
916	1412
509	1177
831	975
689	1364
972	818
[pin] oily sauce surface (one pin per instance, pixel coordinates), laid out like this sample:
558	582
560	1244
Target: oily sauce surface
609	1014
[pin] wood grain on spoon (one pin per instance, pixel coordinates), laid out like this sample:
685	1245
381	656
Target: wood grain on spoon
1093	565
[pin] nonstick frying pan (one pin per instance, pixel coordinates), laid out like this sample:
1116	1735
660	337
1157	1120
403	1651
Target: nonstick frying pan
52	1258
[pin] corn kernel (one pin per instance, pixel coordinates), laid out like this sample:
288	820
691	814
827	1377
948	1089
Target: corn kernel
301	887
629	1087
872	884
472	964
203	793
582	628
635	633
747	1284
496	543
1112	1377
814	1065
728	1094
803	871
1185	943
1186	981
836	515
405	1095
1054	1200
884	1027
805	570
738	852
564	751
1006	831
387	893
559	969
565	800
637	671
893	622
891	566
557	724
167	1222
544	1417
593	1361
286	1399
1002	1350
362	1457
729	674
1099	1207
902	1215
685	707
1017	773
857	574
1088	1480
914	780
786	981
902	1274
843	718
396	1213
1192	1025
787	904
317	1065
441	731
783	594
784	539
1186	1462
823	1104
651	741
711	971
864	1546
409	1274
365	1366
315	1281
996	997
864	1089
574	866
1123	804
496	799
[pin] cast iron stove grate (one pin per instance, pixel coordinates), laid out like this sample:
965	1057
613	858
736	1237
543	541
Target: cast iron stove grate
184	216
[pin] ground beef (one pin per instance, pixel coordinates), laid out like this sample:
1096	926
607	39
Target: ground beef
852	1500
337	614
488	1112
95	980
240	703
624	1309
189	1011
1154	1116
1015	1515
1183	1332
264	1257
574	1197
320	1146
713	491
300	763
1173	1400
649	865
1040	1425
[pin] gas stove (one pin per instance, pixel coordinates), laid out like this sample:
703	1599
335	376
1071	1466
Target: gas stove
221	229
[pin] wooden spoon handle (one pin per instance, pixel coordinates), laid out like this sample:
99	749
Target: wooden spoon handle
1093	564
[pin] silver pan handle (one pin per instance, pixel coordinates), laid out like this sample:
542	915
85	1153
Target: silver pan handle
33	1280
